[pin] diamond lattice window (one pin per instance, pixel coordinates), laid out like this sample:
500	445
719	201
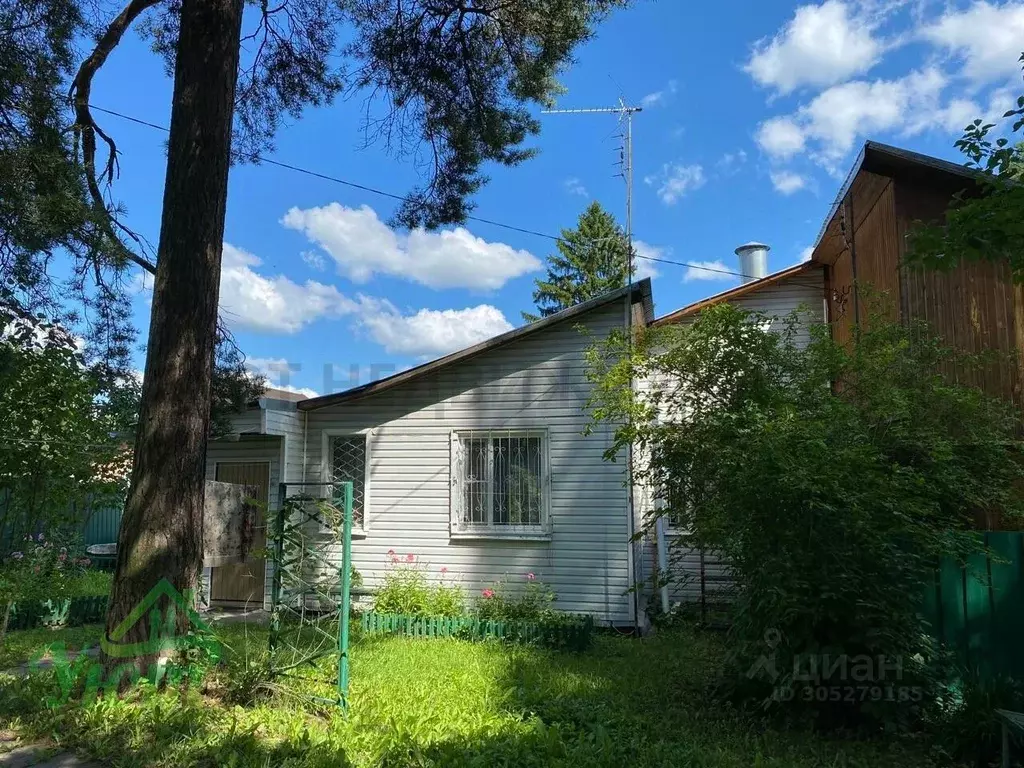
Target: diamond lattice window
348	464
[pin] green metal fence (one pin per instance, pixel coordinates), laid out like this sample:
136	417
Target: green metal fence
978	611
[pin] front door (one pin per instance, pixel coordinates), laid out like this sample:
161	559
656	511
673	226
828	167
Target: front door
241	584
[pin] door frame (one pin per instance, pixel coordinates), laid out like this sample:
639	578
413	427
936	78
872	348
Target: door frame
227	602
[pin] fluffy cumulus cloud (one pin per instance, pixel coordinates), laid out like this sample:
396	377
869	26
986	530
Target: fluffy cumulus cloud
278	373
709	270
781	137
362	246
643	264
278	305
429	332
820	46
832	122
986	37
273	304
676	180
787	182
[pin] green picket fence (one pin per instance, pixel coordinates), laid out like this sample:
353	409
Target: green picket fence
70	612
571	632
978	611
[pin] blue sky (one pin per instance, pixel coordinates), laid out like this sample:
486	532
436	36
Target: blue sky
753	114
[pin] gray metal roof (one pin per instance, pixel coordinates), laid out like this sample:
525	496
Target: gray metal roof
640	291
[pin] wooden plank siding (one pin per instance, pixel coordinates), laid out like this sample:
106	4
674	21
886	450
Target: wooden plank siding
536	382
974	307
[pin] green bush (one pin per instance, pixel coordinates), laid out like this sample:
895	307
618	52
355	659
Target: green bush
532	602
832	478
406	590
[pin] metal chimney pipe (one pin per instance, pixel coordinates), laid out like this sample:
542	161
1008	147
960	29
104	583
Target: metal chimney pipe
753	261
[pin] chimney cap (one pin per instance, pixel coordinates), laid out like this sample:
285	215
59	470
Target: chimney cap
752	246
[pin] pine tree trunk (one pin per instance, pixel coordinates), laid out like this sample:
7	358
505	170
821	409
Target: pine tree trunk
161	534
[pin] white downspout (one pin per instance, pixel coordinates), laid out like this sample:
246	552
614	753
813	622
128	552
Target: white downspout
659	528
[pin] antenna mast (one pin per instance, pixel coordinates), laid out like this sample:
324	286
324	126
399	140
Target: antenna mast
625	113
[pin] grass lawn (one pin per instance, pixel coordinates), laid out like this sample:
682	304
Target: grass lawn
418	702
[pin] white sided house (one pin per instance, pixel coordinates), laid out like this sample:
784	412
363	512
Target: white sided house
696	575
476	462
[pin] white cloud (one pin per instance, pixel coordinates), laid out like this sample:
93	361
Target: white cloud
429	332
780	137
314	260
643	267
821	45
675	180
362	246
659	97
730	162
806	253
709	270
787	182
835	119
304	391
986	37
575	187
273	304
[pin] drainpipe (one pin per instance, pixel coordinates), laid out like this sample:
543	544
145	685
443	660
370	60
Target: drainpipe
659	528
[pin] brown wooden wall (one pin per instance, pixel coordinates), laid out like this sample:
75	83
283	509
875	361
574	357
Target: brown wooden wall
975	307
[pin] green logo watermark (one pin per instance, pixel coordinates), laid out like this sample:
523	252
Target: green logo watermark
178	655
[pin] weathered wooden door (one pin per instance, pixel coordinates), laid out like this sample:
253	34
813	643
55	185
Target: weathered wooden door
242	584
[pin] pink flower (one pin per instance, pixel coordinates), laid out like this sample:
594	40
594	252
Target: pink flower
530	576
410	557
391	553
63	556
488	593
444	570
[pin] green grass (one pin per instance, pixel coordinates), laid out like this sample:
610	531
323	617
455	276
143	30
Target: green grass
421	702
21	646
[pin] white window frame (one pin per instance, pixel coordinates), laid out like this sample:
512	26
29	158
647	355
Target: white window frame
359	528
458	529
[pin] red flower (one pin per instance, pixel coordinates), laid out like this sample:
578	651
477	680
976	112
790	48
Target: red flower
530	576
488	593
410	557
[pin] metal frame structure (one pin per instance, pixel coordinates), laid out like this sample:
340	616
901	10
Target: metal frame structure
310	592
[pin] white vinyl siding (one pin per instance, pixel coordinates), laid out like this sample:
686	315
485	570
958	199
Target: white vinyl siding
693	571
539	379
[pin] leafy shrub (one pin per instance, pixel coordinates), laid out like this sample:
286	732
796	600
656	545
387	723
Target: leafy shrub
531	602
43	569
966	727
832	478
406	590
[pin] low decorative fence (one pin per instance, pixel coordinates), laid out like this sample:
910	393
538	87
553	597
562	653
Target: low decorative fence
70	612
568	631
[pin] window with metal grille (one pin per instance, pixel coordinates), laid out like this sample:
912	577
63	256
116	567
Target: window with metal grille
499	481
348	464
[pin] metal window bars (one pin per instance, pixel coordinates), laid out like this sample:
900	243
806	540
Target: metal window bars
503	476
311	588
348	464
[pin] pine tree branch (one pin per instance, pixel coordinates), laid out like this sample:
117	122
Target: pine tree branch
81	89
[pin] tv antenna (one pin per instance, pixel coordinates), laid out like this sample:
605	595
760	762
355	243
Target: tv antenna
625	113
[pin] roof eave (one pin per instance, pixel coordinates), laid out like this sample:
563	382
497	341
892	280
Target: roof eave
640	291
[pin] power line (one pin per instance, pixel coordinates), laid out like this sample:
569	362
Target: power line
403	198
